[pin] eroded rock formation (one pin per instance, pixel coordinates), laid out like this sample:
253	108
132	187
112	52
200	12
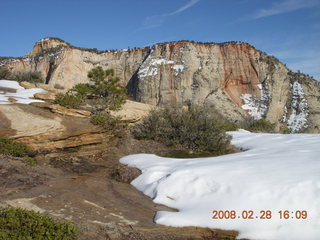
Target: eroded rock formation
47	132
236	79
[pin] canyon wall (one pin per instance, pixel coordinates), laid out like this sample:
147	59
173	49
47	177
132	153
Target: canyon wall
235	79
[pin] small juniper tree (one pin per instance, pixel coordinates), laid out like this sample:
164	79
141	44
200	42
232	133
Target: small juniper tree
106	89
103	92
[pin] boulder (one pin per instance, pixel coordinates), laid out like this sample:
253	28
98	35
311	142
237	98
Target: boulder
45	96
27	85
133	111
45	86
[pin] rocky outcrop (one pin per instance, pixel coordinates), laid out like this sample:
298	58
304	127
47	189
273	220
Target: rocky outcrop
53	130
133	111
56	108
45	96
237	80
47	132
46	44
66	66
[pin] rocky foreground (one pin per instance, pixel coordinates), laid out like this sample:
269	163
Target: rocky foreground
78	176
92	192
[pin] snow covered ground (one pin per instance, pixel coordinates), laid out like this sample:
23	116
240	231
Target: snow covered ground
12	89
276	172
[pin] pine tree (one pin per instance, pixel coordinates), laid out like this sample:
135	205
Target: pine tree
106	88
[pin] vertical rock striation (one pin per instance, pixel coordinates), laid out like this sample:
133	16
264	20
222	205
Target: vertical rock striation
236	79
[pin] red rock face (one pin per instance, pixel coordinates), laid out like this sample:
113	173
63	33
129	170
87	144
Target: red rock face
229	67
241	76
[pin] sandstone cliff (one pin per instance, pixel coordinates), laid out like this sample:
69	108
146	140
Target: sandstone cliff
236	79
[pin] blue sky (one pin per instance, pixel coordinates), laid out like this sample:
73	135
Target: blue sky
287	29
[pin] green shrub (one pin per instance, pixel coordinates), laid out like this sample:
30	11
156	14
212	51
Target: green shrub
68	100
17	149
30	161
82	89
17	223
58	86
105	92
261	125
106	89
12	148
32	77
196	129
227	126
109	122
285	130
4	73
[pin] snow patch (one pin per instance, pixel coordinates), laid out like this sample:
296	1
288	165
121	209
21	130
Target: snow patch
44	39
299	109
257	108
277	172
253	105
148	71
178	69
155	62
12	90
284	116
150	66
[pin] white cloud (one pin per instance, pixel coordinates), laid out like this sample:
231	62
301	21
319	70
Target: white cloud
158	20
185	7
284	7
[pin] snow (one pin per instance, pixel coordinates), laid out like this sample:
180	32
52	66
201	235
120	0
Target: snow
44	39
155	62
145	72
253	105
178	69
12	60
150	66
276	172
299	109
284	116
26	59
15	60
257	108
12	89
152	70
